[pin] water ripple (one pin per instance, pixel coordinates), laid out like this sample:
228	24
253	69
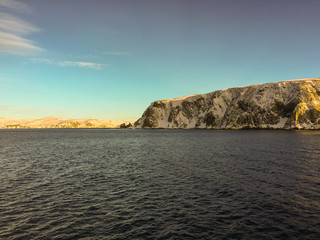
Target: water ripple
107	184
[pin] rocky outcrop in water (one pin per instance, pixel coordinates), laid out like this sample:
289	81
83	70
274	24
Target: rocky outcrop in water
293	104
125	125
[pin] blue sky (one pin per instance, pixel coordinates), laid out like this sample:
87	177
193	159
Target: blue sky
109	59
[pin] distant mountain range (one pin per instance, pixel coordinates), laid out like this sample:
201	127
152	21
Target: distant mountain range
293	104
54	122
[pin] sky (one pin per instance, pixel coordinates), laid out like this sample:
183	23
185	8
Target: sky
109	59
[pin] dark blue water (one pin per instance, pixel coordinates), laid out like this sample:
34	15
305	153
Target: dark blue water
159	184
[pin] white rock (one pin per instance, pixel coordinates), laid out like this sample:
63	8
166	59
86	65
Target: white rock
293	104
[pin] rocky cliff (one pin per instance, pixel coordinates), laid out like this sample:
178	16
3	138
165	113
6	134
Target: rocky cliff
293	104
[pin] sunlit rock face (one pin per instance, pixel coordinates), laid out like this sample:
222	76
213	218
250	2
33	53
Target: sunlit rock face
293	104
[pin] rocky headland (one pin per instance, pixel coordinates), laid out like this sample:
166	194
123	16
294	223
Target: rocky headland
293	104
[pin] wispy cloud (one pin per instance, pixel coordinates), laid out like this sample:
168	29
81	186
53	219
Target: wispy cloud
81	64
15	5
91	65
13	31
116	53
13	24
16	45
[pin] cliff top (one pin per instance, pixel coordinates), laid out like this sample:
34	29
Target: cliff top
255	85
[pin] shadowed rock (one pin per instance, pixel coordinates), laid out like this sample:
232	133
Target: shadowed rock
291	104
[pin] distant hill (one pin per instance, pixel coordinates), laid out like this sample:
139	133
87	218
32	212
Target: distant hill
293	104
54	122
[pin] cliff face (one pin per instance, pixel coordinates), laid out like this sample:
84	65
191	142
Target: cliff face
291	104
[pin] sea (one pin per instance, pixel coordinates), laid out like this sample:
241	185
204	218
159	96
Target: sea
159	184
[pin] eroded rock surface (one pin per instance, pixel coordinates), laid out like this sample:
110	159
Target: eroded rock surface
293	104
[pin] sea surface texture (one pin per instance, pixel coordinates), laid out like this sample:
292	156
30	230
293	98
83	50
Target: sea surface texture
159	184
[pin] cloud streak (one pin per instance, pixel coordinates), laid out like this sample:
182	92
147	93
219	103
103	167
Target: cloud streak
15	5
13	24
13	31
16	45
81	64
91	65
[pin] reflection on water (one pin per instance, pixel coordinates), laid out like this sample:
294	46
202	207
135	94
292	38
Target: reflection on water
159	184
308	132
